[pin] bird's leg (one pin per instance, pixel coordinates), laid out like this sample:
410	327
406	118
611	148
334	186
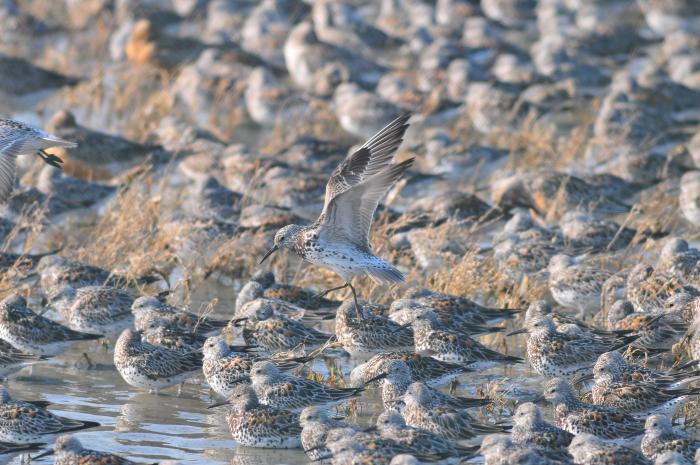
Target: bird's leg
50	159
327	291
358	310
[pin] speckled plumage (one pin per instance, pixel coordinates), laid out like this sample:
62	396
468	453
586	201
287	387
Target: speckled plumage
431	339
316	423
576	286
429	370
23	422
93	309
33	333
339	239
640	398
391	425
588	449
578	417
69	451
553	353
293	393
370	334
147	309
55	271
655	331
276	333
255	425
421	412
531	430
152	367
660	437
649	290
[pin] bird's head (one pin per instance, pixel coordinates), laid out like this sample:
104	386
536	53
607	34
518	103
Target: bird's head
285	238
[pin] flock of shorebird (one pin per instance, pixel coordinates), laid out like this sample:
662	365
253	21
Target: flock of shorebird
414	345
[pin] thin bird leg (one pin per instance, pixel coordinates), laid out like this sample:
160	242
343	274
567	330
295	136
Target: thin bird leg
360	315
327	291
50	159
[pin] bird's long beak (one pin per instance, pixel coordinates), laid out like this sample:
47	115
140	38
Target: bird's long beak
582	378
236	322
218	404
43	454
516	331
376	378
269	252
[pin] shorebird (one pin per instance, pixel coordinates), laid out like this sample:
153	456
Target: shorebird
660	437
578	417
588	449
531	430
24	422
20	139
339	239
68	450
255	425
152	367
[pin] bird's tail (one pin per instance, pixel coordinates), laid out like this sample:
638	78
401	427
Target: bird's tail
382	272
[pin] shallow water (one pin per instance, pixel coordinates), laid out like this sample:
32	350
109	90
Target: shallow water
82	383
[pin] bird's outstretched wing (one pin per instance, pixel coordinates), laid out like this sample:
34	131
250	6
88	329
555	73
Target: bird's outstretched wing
357	184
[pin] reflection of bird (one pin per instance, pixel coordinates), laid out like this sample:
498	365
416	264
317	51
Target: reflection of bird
68	450
339	239
19	139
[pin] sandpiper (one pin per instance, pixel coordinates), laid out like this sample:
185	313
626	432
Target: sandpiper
93	309
12	359
621	370
657	332
578	417
255	425
25	422
660	437
68	450
499	449
449	346
316	423
588	449
275	333
33	333
421	412
576	286
339	239
640	398
277	389
530	429
680	260
225	366
553	353
371	333
673	458
19	139
263	284
146	309
55	270
152	367
391	425
429	370
398	379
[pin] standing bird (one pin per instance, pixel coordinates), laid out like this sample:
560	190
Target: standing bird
19	139
339	239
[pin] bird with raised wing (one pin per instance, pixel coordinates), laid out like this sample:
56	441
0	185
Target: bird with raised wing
339	239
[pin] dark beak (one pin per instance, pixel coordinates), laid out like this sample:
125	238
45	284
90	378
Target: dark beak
235	322
219	404
582	378
517	331
376	378
404	326
44	454
539	400
370	429
268	253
